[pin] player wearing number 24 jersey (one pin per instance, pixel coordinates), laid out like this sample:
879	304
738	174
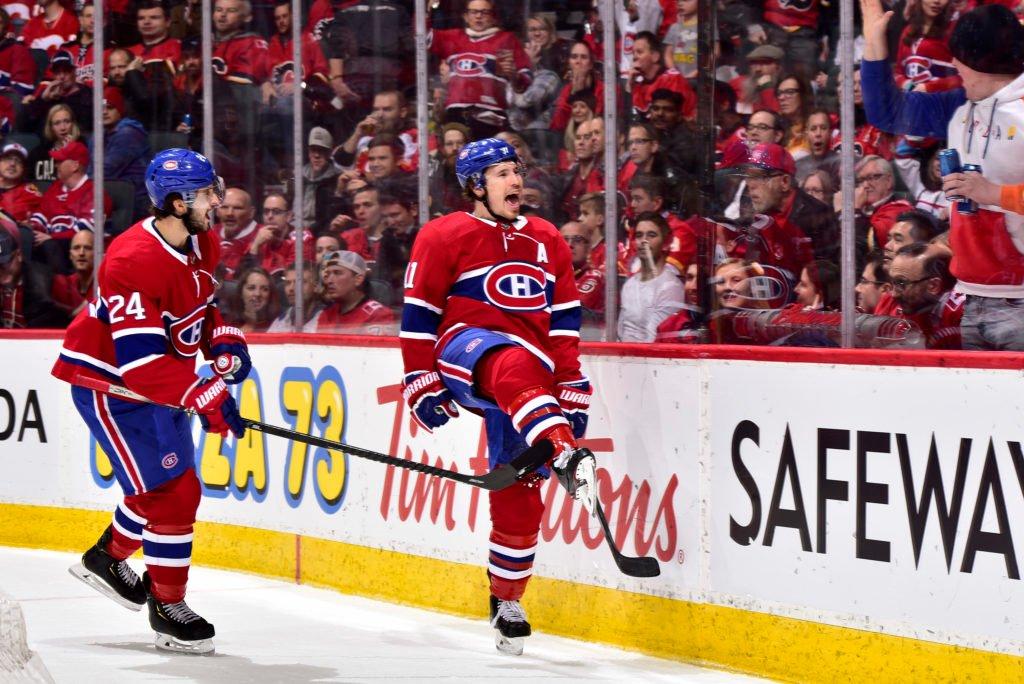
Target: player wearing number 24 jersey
154	314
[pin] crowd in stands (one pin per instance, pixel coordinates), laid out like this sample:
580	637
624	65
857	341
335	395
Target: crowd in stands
769	243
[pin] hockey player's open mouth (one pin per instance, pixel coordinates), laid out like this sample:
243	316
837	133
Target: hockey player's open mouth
513	202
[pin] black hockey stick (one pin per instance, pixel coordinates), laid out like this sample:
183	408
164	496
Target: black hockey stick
501	477
634	566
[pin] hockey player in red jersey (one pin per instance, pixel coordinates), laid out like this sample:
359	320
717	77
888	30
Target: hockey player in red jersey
155	311
491	322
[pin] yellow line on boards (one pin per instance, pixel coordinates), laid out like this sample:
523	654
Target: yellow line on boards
718	636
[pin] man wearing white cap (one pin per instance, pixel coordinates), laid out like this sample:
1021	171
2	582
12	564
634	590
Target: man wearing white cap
350	308
18	198
319	171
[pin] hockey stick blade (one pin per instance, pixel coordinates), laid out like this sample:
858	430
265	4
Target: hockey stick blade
500	478
634	566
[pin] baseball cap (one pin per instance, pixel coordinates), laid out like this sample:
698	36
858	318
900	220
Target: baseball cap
14	148
349	260
62	58
766	53
8	247
321	137
771	157
734	154
74	150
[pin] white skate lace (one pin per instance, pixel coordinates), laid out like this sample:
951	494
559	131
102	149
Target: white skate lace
180	612
512	611
125	572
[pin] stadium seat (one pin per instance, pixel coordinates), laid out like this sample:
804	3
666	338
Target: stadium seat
159	141
122	195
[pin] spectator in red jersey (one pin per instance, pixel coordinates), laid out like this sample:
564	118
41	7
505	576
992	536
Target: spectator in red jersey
795	101
591	217
874	204
587	174
873	283
18	198
922	289
819	142
51	29
633	17
66	207
237	229
254	304
60	129
281	85
648	194
157	49
148	85
311	306
642	147
349	308
910	227
924	62
483	61
773	191
364	238
81	47
589	280
17	68
273	246
757	89
25	300
188	87
72	292
683	327
770	242
655	292
62	88
819	287
239	55
390	115
650	74
581	78
126	154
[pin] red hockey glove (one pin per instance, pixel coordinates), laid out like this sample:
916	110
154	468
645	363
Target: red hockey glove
215	406
574	398
431	402
231	354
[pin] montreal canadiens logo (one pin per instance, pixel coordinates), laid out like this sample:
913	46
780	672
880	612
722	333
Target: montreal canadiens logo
516	286
918	69
470	64
170	165
169	461
187	332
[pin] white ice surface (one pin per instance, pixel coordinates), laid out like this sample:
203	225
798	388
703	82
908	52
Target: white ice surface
272	631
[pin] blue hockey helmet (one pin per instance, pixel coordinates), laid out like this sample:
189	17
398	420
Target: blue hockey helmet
181	171
475	157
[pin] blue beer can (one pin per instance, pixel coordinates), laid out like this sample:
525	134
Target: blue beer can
967	206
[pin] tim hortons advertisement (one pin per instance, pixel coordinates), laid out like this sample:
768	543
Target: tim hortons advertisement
895	494
353	395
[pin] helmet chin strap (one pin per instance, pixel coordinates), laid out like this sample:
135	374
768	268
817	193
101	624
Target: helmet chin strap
487	206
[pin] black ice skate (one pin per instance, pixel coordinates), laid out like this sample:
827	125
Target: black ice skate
510	625
113	578
177	627
577	471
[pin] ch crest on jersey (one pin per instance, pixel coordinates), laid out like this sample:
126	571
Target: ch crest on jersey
516	286
187	332
471	64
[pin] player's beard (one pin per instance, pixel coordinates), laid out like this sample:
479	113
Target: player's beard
195	222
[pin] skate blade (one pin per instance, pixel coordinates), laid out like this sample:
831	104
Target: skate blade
80	572
166	642
509	645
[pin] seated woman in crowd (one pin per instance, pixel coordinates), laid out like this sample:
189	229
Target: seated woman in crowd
254	305
795	103
819	287
60	128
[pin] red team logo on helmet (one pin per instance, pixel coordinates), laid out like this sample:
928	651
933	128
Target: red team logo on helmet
516	286
187	332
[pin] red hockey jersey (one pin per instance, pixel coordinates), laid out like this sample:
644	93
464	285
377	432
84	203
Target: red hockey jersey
21	201
474	81
369	317
928	62
64	211
667	79
279	54
513	280
17	68
242	58
83	61
166	52
154	314
792	14
590	283
39	34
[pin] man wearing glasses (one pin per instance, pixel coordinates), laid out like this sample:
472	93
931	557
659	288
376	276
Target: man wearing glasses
875	206
922	291
273	248
642	146
483	61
